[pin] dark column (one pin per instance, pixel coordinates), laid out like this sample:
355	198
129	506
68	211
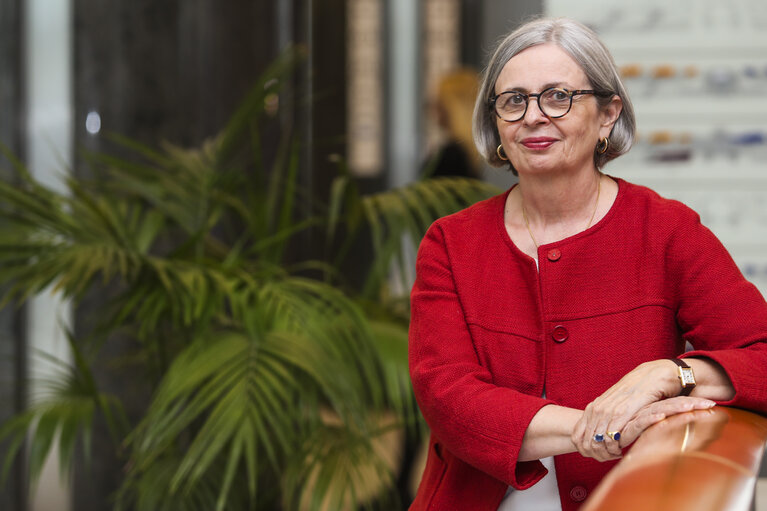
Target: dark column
12	348
499	17
328	121
171	70
472	53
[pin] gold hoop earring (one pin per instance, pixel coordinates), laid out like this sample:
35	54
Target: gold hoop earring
602	145
501	153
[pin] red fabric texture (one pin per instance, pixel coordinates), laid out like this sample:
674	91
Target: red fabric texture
487	328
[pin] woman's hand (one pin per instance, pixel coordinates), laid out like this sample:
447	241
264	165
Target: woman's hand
648	384
671	408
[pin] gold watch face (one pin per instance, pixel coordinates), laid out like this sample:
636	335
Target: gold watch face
686	375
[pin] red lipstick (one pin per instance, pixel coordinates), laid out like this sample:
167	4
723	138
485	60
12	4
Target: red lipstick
538	143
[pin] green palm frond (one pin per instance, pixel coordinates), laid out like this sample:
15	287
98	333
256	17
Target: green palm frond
399	218
148	490
70	240
392	344
63	412
341	468
244	392
412	208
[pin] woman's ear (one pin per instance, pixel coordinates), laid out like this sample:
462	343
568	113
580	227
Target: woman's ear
610	114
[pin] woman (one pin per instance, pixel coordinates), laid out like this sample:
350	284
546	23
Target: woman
452	109
550	321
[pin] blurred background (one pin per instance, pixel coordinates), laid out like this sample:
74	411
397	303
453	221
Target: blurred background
384	86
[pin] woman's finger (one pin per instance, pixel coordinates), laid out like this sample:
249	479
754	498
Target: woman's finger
612	440
636	426
590	441
655	412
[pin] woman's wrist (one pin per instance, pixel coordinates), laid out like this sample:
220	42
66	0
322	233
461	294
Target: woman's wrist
712	381
550	432
668	377
673	380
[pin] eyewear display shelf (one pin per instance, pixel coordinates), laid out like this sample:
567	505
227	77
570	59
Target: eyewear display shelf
696	71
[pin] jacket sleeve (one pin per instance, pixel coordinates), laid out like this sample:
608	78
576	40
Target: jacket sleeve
479	422
720	313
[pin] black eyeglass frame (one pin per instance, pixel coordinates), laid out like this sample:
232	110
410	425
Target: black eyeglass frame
492	101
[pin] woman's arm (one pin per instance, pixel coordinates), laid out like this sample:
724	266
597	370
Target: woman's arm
720	313
552	430
477	420
550	433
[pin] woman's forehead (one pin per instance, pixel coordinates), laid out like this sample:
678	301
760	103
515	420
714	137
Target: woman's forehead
539	67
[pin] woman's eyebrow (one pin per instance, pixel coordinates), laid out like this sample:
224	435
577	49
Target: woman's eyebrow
544	87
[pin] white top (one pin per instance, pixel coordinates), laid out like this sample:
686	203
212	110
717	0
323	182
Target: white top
542	496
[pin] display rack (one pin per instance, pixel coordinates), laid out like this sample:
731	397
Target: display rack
696	71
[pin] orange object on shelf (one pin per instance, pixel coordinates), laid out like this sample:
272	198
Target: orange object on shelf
631	71
691	72
663	71
661	137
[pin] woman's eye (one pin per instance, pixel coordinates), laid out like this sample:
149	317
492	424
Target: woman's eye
516	99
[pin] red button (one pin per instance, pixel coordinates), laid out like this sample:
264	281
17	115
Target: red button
559	333
578	493
554	254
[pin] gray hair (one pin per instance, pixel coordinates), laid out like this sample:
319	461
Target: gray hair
583	45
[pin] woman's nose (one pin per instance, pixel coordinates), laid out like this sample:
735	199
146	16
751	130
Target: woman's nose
534	114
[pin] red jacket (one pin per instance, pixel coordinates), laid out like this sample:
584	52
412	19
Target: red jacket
489	331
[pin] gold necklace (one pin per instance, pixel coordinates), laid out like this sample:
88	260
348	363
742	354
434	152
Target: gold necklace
596	203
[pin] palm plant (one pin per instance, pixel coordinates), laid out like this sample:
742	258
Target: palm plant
272	381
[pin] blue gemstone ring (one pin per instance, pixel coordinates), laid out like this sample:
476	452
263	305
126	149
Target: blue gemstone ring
599	437
615	435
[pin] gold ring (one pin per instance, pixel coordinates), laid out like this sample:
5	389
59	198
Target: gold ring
615	435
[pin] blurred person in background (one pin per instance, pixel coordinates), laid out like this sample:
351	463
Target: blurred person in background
549	323
452	110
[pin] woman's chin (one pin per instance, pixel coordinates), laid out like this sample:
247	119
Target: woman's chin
538	165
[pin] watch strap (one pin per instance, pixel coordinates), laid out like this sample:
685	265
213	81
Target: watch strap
686	387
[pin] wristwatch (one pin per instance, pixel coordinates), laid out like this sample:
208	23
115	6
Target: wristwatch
686	376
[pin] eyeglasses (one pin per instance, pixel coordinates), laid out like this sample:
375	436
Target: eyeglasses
554	102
